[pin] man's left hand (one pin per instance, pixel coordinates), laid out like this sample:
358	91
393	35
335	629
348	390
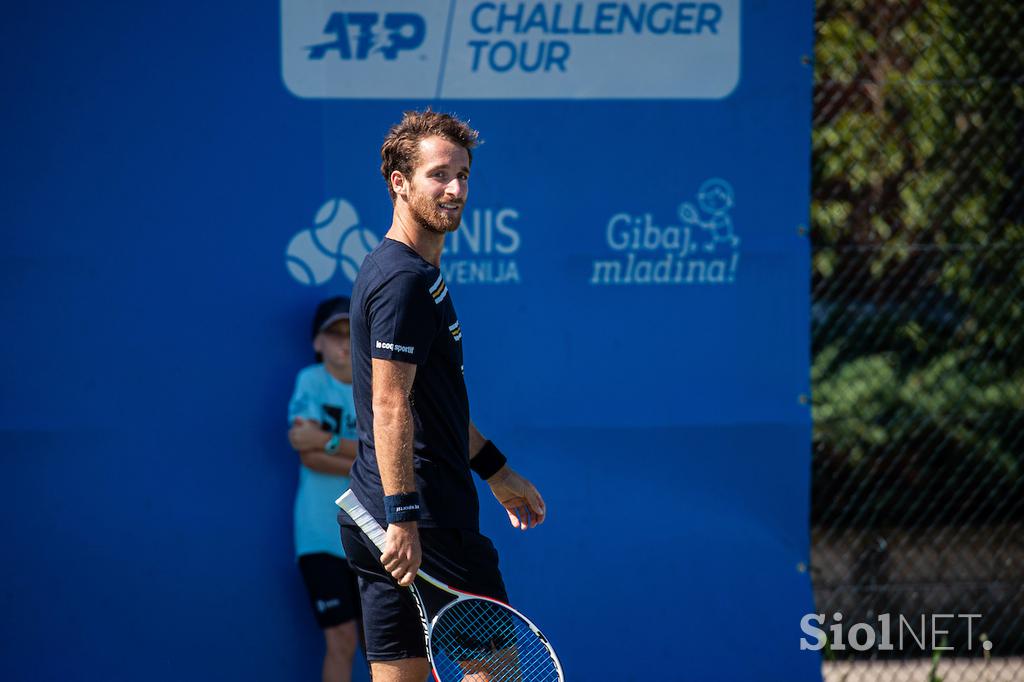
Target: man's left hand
519	497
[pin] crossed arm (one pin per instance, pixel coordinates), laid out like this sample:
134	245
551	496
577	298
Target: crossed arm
393	435
309	440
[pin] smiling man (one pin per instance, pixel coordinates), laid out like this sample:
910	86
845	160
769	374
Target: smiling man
417	444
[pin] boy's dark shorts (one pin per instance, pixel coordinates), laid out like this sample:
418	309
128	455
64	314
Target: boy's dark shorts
332	587
464	559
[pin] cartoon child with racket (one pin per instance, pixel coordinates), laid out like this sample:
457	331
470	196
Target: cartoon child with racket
715	199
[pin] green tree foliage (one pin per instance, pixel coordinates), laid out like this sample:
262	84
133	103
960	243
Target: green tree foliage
918	261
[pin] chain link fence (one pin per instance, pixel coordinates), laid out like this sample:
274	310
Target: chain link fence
918	338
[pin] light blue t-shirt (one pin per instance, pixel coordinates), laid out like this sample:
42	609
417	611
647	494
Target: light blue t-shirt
320	396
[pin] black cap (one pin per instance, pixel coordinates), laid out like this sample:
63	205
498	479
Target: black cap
329	312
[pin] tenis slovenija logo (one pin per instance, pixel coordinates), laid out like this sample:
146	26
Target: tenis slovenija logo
335	240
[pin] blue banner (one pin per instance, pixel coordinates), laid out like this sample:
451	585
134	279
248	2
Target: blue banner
184	183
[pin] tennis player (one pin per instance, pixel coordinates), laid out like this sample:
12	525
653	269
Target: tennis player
418	448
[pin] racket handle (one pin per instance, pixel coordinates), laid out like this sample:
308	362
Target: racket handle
351	505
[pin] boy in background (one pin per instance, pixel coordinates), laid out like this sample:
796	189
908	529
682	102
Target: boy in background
323	432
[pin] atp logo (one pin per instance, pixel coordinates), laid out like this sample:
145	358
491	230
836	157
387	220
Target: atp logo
336	239
400	31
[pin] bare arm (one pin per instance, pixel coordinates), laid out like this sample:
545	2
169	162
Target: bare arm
338	464
476	440
520	498
392	437
310	440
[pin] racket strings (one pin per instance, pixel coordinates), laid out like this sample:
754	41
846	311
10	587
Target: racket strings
478	636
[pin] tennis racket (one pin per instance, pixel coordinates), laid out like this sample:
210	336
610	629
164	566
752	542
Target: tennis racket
470	637
688	214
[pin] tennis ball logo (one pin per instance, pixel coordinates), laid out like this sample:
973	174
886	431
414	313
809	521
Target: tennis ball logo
313	255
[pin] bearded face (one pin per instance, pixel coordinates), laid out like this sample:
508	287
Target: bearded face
438	213
436	190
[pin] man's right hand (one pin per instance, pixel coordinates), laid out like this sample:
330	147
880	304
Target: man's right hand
402	553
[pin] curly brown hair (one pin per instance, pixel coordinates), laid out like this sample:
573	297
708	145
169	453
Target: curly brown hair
400	151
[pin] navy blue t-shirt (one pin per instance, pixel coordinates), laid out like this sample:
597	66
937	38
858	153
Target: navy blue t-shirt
402	310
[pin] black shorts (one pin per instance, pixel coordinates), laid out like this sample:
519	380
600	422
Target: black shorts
332	587
464	559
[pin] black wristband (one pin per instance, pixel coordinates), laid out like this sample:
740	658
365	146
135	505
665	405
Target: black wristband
402	507
488	461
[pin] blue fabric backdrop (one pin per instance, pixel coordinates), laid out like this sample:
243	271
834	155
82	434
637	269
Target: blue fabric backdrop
182	185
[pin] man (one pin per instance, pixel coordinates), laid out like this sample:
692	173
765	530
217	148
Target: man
417	445
322	415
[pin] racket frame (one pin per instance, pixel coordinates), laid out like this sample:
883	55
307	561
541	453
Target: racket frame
351	505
